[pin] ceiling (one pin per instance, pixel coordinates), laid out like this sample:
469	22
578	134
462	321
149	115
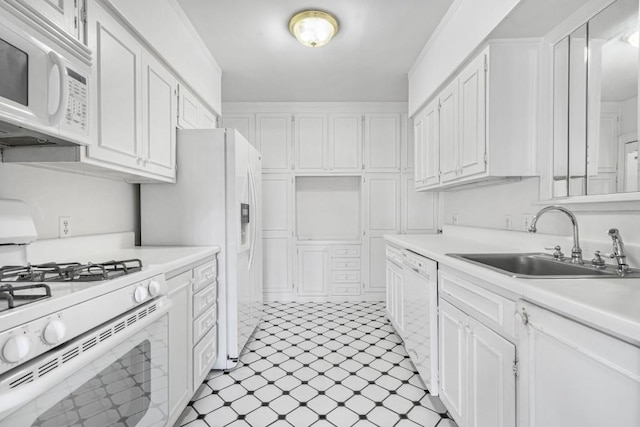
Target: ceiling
368	60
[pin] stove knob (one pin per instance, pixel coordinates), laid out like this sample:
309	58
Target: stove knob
154	288
16	348
140	294
54	332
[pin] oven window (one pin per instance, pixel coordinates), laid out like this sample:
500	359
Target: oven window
119	395
14	73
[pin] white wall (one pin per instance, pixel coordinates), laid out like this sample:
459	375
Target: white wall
487	207
95	205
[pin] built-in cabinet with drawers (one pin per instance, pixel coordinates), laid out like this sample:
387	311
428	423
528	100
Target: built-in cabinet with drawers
192	330
482	126
336	178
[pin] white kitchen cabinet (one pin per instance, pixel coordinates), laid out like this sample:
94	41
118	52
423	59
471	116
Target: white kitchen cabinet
277	268
312	270
472	110
418	208
448	132
159	118
487	119
273	136
382	142
345	142
244	123
395	296
574	375
477	351
135	104
277	204
116	77
477	382
382	203
453	360
427	145
345	270
407	150
193	114
180	345
310	142
373	266
65	14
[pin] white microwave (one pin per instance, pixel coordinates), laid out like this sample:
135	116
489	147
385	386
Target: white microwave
44	91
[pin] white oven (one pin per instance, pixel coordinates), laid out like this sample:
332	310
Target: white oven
113	374
44	89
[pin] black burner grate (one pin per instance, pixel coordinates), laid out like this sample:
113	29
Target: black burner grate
69	272
24	294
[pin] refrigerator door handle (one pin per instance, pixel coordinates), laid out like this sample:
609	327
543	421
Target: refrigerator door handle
254	225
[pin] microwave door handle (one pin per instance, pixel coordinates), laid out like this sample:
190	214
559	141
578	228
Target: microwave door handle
56	117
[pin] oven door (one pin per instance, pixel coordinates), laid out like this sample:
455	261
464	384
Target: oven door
117	377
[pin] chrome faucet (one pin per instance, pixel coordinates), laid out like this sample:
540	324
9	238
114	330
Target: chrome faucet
618	251
576	252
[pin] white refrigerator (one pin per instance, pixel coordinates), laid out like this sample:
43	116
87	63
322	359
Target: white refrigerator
216	201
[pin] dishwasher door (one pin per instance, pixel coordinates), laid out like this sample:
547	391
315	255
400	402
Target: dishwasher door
421	317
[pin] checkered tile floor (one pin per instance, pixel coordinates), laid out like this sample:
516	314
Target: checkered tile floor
319	364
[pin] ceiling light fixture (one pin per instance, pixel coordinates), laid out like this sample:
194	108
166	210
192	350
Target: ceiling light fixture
313	28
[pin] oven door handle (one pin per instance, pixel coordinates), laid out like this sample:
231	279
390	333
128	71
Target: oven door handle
13	399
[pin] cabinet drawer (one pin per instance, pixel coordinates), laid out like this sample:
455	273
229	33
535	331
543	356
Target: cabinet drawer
345	289
394	254
203	275
345	276
345	264
204	356
204	299
203	323
487	307
348	251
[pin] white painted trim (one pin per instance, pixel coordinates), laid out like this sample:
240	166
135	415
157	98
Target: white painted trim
615	202
436	34
306	107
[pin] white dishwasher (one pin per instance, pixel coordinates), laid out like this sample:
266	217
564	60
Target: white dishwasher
421	316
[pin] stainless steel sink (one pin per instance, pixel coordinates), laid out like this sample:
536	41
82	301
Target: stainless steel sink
542	266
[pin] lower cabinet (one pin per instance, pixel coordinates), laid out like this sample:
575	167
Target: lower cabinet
192	331
395	290
328	270
477	375
574	375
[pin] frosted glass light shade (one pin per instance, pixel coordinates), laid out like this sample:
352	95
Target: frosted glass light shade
313	28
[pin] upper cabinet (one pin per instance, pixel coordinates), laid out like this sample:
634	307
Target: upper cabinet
134	110
310	142
273	137
345	142
66	15
483	125
193	114
382	142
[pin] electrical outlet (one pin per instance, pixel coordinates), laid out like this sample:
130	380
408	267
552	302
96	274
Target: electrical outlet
64	226
526	218
454	219
507	222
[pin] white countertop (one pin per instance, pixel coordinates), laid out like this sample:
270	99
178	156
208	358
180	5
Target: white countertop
610	305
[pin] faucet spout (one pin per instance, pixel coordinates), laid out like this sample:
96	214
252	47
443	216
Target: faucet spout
576	252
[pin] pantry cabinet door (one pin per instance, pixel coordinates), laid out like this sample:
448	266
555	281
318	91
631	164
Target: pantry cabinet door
492	383
273	134
345	142
277	204
408	144
243	123
312	270
453	360
117	84
448	132
159	92
276	267
382	203
189	109
310	142
382	142
472	136
374	266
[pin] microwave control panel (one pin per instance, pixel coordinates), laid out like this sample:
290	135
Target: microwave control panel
77	106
